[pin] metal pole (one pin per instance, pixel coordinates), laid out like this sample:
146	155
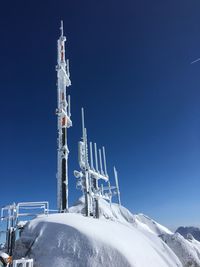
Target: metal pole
83	123
117	185
104	159
96	157
101	165
91	156
69	106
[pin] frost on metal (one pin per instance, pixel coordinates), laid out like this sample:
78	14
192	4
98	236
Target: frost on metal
63	122
92	174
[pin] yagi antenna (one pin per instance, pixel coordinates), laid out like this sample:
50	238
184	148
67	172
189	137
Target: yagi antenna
195	61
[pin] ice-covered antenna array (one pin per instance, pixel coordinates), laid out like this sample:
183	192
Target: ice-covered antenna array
63	122
93	171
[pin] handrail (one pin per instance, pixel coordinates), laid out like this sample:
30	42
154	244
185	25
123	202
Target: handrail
23	263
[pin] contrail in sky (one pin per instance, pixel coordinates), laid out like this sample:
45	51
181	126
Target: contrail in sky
195	61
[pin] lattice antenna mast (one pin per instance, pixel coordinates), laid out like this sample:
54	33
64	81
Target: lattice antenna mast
63	122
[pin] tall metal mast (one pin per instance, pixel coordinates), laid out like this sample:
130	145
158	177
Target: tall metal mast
63	114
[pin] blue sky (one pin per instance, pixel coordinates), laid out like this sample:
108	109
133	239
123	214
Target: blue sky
130	69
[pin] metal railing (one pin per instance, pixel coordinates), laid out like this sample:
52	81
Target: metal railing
11	213
14	216
23	263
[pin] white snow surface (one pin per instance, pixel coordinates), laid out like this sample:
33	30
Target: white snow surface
187	250
117	239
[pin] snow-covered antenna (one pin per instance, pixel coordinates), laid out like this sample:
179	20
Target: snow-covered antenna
69	106
61	28
104	160
86	150
84	137
91	156
96	157
100	160
83	122
83	175
109	192
117	185
89	175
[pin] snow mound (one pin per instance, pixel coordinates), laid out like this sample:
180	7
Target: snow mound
114	240
113	212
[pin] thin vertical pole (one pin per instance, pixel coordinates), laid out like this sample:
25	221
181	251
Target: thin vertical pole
100	159
91	156
96	157
104	159
83	122
69	106
117	185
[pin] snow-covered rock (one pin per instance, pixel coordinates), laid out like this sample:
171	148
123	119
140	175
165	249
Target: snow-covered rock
73	240
194	231
187	250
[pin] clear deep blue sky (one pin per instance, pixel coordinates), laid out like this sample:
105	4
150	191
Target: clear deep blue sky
130	69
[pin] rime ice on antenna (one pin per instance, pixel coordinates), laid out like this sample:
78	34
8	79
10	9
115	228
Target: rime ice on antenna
89	175
117	186
64	121
93	172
